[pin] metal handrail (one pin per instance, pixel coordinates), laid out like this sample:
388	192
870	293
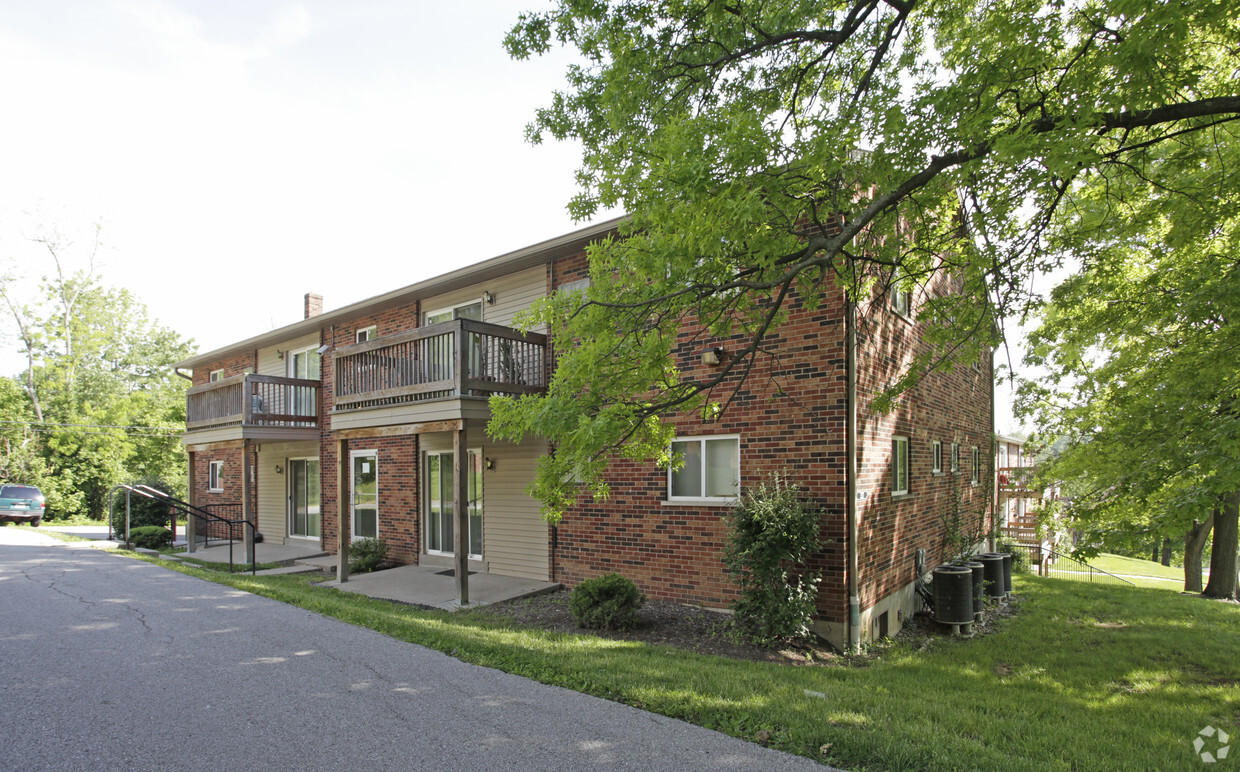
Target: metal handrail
188	509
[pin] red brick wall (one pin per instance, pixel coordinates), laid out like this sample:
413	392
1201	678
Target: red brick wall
790	417
949	407
235	365
231	483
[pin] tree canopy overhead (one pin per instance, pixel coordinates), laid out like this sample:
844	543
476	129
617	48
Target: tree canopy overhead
771	149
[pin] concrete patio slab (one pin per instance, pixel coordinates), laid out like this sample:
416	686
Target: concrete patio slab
429	586
264	552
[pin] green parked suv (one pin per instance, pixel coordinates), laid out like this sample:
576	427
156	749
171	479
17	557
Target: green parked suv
21	503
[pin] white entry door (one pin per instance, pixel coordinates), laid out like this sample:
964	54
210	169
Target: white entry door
365	489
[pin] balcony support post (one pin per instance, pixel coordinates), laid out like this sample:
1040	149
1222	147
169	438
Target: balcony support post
191	520
344	515
247	488
460	472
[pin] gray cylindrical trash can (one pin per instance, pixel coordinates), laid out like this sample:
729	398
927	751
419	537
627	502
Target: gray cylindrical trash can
953	595
993	563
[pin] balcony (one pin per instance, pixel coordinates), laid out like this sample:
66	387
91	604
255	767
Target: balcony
460	363
1015	482
252	406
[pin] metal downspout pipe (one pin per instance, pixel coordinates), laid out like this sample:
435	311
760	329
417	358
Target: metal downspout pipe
850	440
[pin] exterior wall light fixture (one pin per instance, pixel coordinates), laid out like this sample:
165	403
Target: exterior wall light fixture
712	355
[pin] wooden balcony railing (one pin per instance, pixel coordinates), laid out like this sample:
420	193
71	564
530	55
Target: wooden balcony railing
253	400
452	359
1017	482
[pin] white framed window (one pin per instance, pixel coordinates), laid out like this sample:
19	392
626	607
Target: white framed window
365	334
975	461
955	458
901	299
216	375
215	476
936	457
441	505
711	471
464	311
304	363
574	286
899	466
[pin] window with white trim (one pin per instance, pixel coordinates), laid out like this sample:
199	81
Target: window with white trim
899	466
365	334
215	476
216	375
901	299
711	470
465	311
955	458
976	463
936	455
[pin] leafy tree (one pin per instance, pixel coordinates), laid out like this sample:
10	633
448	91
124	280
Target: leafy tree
1141	347
102	405
730	133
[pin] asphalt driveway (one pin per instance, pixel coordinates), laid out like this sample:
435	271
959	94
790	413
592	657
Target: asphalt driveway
111	663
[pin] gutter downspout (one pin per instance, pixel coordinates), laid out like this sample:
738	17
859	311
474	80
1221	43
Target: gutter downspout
850	442
189	378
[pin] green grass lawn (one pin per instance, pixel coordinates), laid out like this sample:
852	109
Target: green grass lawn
1082	677
1119	564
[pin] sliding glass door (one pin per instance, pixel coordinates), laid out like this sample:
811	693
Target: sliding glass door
441	504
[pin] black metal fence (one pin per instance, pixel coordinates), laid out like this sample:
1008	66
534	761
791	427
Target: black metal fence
1064	566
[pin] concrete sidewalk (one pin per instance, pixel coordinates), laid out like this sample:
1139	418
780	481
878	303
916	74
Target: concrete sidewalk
435	586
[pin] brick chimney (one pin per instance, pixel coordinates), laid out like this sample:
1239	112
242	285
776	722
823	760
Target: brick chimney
314	304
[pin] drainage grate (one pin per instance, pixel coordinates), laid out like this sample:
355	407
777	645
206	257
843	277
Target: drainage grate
452	572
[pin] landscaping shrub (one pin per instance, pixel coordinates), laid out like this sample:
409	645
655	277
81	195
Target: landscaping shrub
772	537
151	537
142	511
608	602
366	555
1020	555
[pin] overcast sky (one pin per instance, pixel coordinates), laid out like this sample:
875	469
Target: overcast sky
241	153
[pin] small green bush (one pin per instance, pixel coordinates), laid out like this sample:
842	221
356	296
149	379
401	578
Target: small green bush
607	602
151	537
366	555
1020	555
772	538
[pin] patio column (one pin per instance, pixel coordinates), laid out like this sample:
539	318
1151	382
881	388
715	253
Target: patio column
343	526
191	521
460	477
247	469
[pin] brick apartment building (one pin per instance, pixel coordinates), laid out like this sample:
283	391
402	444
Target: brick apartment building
391	389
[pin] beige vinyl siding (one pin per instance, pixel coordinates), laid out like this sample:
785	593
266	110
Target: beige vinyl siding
269	361
514	536
273	488
272	518
513	293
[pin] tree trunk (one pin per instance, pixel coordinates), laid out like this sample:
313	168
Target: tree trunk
1224	567
1194	543
1154	552
1166	551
